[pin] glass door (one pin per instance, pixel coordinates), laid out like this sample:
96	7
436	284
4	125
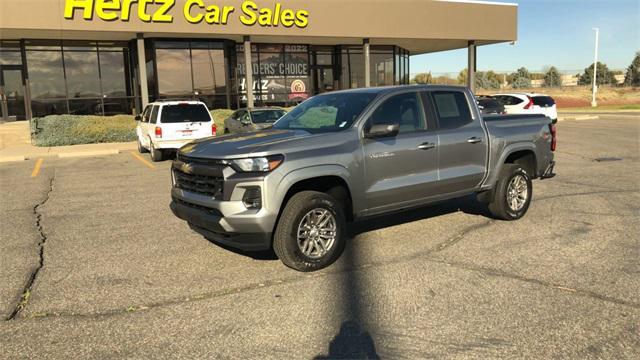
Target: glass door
12	99
322	79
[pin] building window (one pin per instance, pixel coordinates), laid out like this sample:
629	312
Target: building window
193	69
78	77
281	74
389	66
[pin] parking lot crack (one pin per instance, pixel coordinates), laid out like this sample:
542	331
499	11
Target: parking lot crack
27	290
565	288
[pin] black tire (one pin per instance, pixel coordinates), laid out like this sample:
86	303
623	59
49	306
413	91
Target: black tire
141	149
499	206
285	239
156	155
226	131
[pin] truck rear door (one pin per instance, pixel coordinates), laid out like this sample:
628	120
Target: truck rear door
462	149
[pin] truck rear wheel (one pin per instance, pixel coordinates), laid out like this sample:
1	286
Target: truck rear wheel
512	194
311	232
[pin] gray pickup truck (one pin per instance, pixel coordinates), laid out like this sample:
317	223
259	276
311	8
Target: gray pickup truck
347	155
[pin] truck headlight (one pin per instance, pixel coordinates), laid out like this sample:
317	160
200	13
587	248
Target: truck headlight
259	164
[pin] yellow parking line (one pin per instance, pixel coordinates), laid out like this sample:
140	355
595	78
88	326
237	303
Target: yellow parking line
36	168
144	161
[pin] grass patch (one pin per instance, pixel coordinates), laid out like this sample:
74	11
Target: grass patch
603	108
62	130
219	115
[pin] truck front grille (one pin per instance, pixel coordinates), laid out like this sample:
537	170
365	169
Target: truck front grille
199	184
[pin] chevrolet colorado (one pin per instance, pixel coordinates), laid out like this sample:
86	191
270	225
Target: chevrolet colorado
342	156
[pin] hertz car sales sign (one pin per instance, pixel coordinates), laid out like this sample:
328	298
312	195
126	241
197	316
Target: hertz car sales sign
194	12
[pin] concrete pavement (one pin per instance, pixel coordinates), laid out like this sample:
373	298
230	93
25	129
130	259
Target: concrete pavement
121	277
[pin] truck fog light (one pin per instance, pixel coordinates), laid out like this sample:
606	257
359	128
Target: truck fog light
252	198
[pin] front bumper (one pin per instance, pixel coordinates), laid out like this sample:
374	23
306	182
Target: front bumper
210	224
209	196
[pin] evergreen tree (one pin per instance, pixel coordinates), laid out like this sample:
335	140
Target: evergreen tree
632	78
552	78
604	75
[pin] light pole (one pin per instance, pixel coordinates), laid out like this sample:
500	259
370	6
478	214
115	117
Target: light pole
594	88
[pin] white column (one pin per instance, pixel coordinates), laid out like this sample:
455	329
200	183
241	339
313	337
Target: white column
142	72
248	71
367	62
471	66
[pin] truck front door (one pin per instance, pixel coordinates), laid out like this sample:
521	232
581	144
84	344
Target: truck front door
402	169
462	150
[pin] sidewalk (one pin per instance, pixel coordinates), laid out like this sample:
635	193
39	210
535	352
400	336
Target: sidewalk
15	145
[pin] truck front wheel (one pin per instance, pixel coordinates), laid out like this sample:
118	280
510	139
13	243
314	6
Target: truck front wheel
512	194
311	233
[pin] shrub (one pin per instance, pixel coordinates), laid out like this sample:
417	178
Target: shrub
60	130
219	115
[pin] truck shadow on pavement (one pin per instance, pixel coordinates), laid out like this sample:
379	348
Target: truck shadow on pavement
467	205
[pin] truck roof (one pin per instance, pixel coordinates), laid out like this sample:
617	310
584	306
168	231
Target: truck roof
388	89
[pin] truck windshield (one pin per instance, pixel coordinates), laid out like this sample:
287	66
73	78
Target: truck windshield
326	113
184	113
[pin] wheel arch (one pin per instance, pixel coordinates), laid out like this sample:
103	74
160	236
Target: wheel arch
330	179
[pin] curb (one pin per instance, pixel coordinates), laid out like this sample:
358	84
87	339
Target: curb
79	154
579	118
7	159
88	153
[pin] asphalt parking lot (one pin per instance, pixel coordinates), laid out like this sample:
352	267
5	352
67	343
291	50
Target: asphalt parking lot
117	275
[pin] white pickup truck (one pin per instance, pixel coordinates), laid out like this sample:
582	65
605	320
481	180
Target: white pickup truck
166	126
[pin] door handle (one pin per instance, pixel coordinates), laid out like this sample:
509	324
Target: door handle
474	140
426	146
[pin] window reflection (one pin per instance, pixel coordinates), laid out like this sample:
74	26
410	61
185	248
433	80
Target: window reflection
174	72
83	80
112	69
91	87
208	71
46	74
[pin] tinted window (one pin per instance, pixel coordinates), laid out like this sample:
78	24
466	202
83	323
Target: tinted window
404	109
265	116
146	114
543	101
508	100
154	114
488	103
184	113
452	109
327	112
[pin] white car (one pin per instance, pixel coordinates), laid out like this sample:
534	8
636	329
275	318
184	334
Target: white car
166	126
528	104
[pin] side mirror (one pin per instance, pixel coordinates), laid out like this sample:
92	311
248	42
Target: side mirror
245	122
138	117
383	130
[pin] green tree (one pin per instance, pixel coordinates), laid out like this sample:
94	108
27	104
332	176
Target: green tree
487	80
423	78
604	75
521	83
462	76
552	78
520	73
632	77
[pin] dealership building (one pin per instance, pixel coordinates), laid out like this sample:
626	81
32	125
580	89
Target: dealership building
114	56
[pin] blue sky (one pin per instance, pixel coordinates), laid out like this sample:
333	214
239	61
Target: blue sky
557	33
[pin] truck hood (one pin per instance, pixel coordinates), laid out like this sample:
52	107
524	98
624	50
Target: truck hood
258	143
